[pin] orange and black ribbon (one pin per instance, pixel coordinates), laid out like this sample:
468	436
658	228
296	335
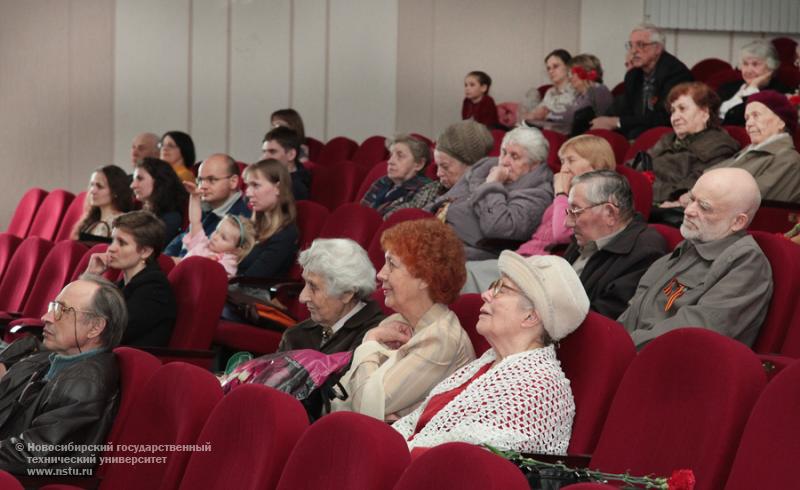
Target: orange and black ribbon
673	290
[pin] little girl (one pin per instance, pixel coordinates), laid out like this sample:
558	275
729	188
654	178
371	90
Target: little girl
478	105
233	239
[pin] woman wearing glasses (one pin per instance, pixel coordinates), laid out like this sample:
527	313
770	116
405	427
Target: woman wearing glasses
156	185
177	149
138	238
516	395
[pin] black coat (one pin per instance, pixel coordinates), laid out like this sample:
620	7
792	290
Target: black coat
152	309
611	275
308	334
735	115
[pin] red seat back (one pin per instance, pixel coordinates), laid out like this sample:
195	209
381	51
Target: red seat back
543	89
468	308
775	217
82	264
251	432
707	67
618	89
497	135
374	250
336	150
25	211
376	172
361	453
739	134
335	184
311	218
619	144
55	273
641	188
671	234
555	141
646	140
594	357
371	151
200	286
315	147
22	271
721	77
682	403
48	217
8	245
71	217
352	221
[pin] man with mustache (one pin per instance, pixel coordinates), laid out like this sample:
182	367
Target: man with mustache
717	278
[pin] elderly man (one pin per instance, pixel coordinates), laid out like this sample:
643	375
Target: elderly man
717	278
67	390
144	145
218	184
611	246
283	144
647	85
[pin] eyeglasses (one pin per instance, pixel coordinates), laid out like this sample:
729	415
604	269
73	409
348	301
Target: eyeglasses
496	288
211	180
575	212
638	45
57	308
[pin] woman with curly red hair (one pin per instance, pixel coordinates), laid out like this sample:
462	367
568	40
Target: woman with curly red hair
408	353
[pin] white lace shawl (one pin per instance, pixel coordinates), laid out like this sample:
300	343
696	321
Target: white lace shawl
524	403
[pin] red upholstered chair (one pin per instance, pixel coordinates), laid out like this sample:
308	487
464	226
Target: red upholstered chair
374	250
468	308
8	245
311	217
171	410
346	450
619	144
739	134
671	234
8	482
618	89
71	217
785	46
641	188
775	217
543	89
704	68
335	184
784	258
497	135
352	221
371	151
770	445
788	75
646	140
315	147
376	172
336	150
21	273
25	211
719	78
594	357
555	140
51	210
80	267
682	403
463	466
251	433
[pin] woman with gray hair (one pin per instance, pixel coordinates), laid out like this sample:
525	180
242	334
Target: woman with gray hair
500	198
339	281
758	61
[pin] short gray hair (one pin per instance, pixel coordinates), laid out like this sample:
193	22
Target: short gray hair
531	140
108	303
763	50
656	35
608	186
343	264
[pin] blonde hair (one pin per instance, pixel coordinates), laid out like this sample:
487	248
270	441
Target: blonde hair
267	223
593	148
247	235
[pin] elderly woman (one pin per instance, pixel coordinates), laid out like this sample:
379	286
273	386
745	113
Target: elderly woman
592	97
500	198
698	142
758	61
108	196
558	97
408	157
578	155
138	238
411	351
339	282
515	396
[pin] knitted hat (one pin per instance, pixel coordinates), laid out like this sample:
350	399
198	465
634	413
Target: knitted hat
553	287
466	141
779	104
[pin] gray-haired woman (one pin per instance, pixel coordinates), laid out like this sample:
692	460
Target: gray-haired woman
758	61
339	281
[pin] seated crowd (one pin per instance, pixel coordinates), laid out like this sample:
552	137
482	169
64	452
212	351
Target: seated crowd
417	368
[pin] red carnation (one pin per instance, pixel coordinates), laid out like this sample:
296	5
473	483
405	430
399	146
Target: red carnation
794	100
681	480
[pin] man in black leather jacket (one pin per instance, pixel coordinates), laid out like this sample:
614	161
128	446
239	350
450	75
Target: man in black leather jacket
60	396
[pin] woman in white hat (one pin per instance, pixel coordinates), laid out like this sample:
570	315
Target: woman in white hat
515	396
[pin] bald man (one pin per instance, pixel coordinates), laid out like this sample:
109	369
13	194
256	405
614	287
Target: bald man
717	278
144	145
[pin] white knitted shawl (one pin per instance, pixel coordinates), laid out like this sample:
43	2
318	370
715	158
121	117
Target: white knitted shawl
524	404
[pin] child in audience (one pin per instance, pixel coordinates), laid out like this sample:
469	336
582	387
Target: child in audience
233	239
478	105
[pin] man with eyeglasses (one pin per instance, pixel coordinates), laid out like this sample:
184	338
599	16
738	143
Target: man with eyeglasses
647	84
218	184
62	393
717	278
283	144
611	246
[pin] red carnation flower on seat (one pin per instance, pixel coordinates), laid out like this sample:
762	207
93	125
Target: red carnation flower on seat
681	480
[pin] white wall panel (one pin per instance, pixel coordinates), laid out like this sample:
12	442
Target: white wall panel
604	28
693	46
309	40
773	16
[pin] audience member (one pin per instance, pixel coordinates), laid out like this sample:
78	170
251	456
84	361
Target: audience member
291	119
404	177
138	240
410	352
612	246
478	105
578	155
500	198
156	185
64	394
515	396
144	145
647	85
758	61
218	185
717	278
108	196
339	281
283	144
558	97
592	98
177	149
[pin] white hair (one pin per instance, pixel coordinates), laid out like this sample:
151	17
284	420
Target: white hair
656	36
531	140
343	264
763	50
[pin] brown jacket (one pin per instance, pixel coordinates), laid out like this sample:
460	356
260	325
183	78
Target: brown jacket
308	334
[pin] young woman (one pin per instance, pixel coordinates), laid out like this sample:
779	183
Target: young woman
108	196
161	192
